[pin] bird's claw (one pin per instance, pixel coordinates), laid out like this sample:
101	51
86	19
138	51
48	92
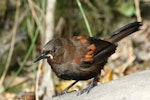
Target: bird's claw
62	93
87	90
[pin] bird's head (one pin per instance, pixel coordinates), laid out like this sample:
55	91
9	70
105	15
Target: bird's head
52	49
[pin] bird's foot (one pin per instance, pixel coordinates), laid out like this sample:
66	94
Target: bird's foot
62	93
87	90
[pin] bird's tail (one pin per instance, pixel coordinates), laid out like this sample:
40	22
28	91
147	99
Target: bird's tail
123	32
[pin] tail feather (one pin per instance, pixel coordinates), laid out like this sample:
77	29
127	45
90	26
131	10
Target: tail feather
123	32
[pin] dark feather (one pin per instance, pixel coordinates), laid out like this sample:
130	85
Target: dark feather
124	31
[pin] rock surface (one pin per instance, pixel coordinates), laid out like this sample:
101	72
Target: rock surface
131	87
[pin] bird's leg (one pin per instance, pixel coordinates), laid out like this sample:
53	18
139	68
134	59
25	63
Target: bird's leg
92	84
65	91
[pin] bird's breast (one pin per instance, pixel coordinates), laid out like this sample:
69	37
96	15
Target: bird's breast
70	71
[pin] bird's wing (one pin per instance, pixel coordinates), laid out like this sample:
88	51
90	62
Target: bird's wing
104	49
90	50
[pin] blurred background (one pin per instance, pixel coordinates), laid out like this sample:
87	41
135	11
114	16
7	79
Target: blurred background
26	25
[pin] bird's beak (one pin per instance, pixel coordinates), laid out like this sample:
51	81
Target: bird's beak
41	56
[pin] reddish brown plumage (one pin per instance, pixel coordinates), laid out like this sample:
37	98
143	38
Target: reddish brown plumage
82	58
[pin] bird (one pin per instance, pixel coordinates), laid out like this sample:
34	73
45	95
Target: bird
81	58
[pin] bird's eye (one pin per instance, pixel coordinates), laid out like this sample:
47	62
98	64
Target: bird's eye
53	51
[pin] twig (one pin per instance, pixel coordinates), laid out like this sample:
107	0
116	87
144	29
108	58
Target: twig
4	48
14	31
37	79
38	8
59	27
138	12
22	16
36	18
126	65
91	5
26	56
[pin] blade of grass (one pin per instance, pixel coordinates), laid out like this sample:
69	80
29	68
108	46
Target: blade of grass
84	17
30	50
25	58
87	24
30	29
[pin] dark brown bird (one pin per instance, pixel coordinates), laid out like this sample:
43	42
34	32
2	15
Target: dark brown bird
82	58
